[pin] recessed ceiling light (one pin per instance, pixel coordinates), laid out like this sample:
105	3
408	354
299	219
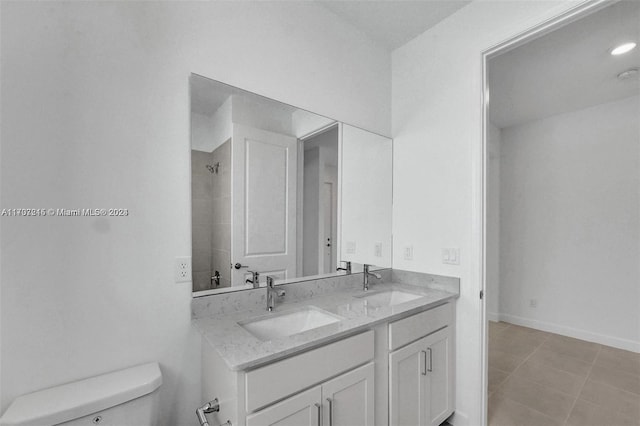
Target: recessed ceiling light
623	48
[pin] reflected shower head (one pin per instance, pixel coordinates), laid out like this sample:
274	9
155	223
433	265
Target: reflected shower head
213	169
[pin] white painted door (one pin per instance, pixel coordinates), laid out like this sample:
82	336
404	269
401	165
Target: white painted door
408	387
327	239
348	399
440	375
263	220
303	409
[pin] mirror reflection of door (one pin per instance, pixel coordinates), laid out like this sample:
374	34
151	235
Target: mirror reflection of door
263	220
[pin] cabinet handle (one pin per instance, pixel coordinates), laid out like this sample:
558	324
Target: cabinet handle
318	406
430	360
423	356
330	411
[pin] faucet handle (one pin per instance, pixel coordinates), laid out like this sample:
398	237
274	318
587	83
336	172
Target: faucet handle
255	278
347	266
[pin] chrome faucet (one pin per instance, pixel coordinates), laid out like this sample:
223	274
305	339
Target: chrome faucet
255	277
365	282
347	267
272	293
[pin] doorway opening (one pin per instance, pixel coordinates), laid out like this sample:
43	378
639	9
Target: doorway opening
320	201
562	221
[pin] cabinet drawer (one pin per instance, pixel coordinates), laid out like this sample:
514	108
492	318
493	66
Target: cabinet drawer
419	325
275	381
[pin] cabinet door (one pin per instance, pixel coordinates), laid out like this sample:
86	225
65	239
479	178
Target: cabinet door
299	410
348	399
440	375
408	386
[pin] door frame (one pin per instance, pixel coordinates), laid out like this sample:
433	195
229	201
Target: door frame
480	161
337	186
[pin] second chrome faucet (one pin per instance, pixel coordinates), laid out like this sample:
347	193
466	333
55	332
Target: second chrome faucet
272	293
366	273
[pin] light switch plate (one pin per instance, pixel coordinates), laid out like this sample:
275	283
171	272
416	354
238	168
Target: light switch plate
351	247
451	256
445	255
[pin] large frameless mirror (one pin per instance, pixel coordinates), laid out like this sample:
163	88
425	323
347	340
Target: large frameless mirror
280	191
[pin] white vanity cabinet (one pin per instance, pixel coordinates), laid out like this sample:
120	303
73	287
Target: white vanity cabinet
421	372
397	373
303	409
332	385
346	400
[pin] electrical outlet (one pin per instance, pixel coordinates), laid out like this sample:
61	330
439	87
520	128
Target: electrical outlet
183	269
533	303
377	250
351	247
408	253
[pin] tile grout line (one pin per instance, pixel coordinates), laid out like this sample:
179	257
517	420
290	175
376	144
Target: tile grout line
516	369
591	366
575	401
530	408
619	411
537	348
531	354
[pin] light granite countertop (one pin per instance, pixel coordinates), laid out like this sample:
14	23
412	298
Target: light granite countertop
241	350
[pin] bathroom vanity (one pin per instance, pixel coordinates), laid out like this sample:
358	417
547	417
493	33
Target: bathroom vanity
332	354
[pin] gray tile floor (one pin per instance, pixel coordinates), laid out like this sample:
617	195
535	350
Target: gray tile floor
544	379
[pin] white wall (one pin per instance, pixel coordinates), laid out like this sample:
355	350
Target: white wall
493	222
366	195
95	113
570	219
437	131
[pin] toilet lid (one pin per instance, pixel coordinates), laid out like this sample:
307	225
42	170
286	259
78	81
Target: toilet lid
77	399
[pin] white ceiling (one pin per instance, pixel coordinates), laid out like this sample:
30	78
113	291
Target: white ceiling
566	70
392	23
208	95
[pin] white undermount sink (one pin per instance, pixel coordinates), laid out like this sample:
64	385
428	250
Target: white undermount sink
389	297
289	323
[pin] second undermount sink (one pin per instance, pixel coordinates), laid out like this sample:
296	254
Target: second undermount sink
389	297
289	323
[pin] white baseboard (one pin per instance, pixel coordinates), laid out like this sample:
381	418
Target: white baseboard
458	419
616	342
493	316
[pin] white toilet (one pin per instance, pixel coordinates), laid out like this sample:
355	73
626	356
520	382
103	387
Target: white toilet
126	397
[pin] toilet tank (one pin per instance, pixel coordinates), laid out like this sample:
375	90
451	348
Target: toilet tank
121	398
